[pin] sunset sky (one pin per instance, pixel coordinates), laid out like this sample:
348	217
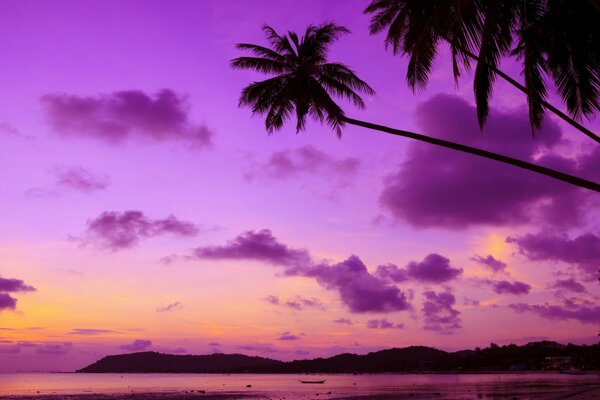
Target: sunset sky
141	209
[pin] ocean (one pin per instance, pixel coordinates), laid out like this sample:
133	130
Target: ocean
288	386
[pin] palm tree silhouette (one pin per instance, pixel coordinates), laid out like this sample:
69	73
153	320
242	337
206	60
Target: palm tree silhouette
559	38
304	81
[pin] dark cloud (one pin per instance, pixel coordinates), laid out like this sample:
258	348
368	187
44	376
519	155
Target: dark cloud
120	230
14	285
125	114
437	187
137	345
10	349
568	284
91	332
170	307
342	321
358	289
259	246
383	324
305	160
506	287
438	313
586	313
582	251
7	302
288	336
9	285
433	269
491	263
79	178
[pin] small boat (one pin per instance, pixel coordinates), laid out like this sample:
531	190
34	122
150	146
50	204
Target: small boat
312	381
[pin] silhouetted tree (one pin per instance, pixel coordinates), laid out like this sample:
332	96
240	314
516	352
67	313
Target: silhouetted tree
303	82
559	38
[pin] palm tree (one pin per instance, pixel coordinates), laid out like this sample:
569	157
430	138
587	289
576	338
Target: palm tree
559	38
303	82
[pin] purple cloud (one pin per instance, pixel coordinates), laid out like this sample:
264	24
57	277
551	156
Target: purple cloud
506	287
285	336
359	290
120	115
436	187
170	307
491	263
433	269
90	332
305	160
137	345
7	302
120	230
439	316
568	284
54	349
258	246
300	303
582	251
383	324
342	321
14	285
78	178
272	300
10	285
10	349
584	313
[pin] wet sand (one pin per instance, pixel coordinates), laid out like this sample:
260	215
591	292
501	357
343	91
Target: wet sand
584	392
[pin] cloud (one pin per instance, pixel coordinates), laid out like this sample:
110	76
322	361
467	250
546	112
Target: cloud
285	336
10	349
137	345
437	187
261	348
10	285
170	307
7	302
584	313
297	303
383	324
305	160
506	287
258	246
358	289
75	177
14	285
120	230
491	263
91	332
582	251
127	114
568	284
433	269
342	321
54	349
439	316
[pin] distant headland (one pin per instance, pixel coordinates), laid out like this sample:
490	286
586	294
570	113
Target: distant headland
535	356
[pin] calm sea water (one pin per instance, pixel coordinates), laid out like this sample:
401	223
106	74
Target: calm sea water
341	385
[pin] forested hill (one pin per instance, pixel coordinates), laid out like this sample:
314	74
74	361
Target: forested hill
531	356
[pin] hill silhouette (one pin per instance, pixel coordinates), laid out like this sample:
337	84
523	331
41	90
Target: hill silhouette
531	356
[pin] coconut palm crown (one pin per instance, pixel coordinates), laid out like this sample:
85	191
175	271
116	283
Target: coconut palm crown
303	81
559	39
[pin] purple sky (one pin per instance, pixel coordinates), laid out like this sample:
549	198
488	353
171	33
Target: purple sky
142	210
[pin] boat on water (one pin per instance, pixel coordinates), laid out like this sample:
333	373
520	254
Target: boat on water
312	381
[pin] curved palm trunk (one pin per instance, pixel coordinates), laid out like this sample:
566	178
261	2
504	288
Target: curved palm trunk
547	105
573	180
